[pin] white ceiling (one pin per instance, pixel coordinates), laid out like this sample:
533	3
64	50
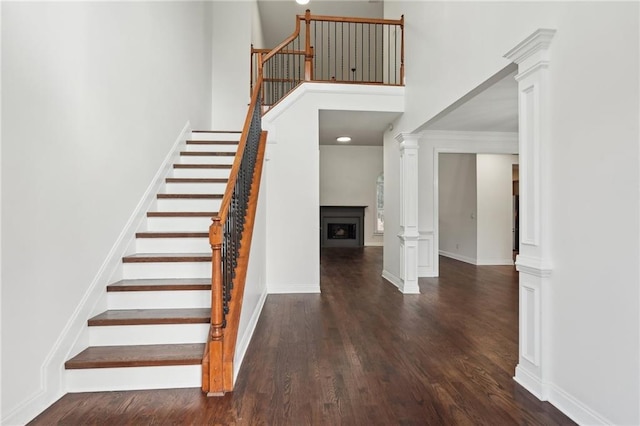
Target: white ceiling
491	107
278	17
364	127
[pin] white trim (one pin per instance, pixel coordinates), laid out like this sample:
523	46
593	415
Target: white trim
245	339
494	262
444	141
534	261
333	89
574	409
562	400
456	256
530	383
468	136
374	243
74	333
425	254
533	266
539	41
392	278
293	288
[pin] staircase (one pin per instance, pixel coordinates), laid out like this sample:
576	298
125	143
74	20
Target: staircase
153	334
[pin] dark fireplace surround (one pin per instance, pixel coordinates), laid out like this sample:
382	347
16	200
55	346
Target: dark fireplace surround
342	226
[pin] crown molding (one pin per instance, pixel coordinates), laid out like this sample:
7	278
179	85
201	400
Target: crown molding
537	42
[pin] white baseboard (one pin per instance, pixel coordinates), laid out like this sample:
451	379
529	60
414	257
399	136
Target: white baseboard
292	289
75	334
574	409
563	401
495	262
245	339
392	278
374	244
530	383
459	257
426	271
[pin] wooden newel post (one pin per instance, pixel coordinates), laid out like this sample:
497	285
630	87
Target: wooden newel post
216	333
260	71
308	50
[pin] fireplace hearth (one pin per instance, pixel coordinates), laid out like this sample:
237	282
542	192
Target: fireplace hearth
342	226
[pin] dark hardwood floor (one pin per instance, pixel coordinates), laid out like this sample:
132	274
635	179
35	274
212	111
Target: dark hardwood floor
360	353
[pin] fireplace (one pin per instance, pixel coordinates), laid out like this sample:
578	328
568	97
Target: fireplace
342	226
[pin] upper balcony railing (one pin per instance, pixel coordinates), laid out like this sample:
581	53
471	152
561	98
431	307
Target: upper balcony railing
331	49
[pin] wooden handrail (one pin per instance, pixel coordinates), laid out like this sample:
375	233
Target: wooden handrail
286	41
349	49
354	20
223	211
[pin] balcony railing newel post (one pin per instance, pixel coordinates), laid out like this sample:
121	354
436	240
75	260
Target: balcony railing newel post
308	50
402	50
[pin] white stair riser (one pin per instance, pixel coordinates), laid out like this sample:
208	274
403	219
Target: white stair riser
215	136
152	270
188	204
133	378
159	299
165	334
206	159
211	148
173	245
195	188
177	224
201	173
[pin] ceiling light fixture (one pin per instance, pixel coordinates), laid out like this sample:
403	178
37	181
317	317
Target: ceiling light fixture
302	1
343	139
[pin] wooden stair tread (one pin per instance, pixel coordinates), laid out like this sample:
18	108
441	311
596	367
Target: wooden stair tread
172	234
170	284
190	196
137	356
202	166
152	316
182	214
196	180
202	142
167	257
207	154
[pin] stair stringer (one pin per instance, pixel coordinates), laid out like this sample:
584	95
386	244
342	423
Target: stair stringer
124	245
75	334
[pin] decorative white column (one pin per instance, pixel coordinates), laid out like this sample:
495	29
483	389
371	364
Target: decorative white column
534	260
409	234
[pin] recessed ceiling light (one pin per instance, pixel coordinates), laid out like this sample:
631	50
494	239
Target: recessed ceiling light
343	139
302	1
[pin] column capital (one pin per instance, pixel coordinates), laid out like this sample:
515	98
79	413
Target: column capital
408	140
532	53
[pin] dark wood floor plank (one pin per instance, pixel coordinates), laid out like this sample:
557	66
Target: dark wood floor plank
360	353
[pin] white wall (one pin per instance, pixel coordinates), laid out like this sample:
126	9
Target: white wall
293	179
594	293
233	29
495	209
458	206
257	34
93	96
348	177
